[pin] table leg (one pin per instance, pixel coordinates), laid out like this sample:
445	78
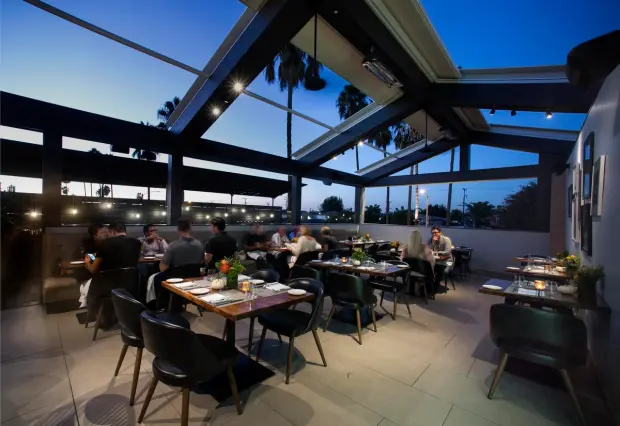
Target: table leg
230	332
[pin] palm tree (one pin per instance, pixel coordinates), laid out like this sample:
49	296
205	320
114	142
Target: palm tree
166	110
382	140
405	136
449	203
93	151
480	211
350	101
290	68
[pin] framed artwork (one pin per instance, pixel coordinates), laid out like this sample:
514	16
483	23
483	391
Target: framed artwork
586	230
587	161
569	199
576	200
598	183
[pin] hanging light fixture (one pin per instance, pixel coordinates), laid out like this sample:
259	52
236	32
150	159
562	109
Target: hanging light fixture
513	113
313	80
548	115
492	112
426	149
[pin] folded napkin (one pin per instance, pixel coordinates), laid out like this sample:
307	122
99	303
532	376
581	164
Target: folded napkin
276	287
242	277
214	298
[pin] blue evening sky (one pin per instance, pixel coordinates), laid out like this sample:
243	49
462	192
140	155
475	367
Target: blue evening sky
47	58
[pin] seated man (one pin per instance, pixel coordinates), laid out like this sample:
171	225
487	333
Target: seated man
97	234
152	243
443	245
329	242
117	252
438	242
220	245
255	243
279	238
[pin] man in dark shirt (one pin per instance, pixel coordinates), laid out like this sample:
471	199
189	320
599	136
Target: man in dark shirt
256	239
220	245
329	242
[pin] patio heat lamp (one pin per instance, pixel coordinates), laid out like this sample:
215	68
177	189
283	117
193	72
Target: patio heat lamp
426	149
313	80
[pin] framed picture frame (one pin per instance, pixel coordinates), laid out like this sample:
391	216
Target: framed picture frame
569	201
586	230
576	200
587	156
598	185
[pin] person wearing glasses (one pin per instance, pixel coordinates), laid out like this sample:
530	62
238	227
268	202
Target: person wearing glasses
442	250
439	243
152	243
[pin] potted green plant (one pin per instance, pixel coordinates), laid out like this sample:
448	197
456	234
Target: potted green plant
586	278
571	263
358	256
230	268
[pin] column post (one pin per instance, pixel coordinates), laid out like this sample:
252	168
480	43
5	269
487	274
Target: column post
295	200
174	188
464	157
51	168
360	201
543	192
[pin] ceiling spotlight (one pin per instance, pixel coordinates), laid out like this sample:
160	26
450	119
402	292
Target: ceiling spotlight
513	113
238	87
548	115
334	157
216	111
492	112
74	211
360	143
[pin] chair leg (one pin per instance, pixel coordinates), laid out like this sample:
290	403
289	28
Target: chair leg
185	408
452	281
425	293
404	296
251	336
225	330
279	337
381	302
136	374
359	326
374	318
120	360
329	317
289	358
233	388
199	310
147	401
318	345
571	392
260	342
395	296
98	320
498	373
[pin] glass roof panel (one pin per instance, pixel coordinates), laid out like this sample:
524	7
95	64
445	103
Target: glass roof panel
488	157
561	121
518	34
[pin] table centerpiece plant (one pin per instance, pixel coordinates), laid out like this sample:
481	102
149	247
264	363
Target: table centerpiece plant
358	256
230	268
586	279
571	263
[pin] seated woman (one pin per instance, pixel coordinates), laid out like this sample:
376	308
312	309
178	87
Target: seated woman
305	243
417	249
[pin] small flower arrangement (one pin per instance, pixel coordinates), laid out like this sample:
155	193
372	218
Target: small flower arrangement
358	255
395	244
570	262
230	267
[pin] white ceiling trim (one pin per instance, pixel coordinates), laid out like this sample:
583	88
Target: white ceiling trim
543	74
535	132
402	153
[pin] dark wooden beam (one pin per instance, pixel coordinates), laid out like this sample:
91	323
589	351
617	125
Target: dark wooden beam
387	116
522	143
519	172
555	97
408	160
275	24
26	113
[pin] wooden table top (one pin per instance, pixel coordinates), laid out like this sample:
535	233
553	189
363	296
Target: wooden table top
539	273
393	270
240	310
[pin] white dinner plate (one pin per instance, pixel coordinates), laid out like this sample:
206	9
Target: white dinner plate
174	280
77	262
159	255
512	268
149	257
296	292
492	287
199	291
257	282
315	261
402	266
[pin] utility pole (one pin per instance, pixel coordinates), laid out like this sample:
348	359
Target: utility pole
464	198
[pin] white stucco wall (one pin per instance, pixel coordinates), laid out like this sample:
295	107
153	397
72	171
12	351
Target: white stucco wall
493	249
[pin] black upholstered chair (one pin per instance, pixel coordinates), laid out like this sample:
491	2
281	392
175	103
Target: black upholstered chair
294	323
306	257
394	286
184	359
422	273
349	291
100	290
466	259
267	275
384	247
553	339
305	272
128	310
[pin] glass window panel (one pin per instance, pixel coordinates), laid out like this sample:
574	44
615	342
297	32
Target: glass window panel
22	184
103	148
488	157
21	135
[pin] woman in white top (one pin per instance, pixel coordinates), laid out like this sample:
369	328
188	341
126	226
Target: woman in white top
304	243
416	248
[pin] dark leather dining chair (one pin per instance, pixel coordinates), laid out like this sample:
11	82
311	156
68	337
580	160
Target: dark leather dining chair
349	291
553	339
128	310
184	359
393	285
305	272
294	323
306	257
101	287
421	272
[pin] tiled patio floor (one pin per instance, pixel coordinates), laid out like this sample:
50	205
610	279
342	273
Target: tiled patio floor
432	368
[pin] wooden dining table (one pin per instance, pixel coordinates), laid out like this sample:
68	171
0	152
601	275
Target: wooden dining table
539	273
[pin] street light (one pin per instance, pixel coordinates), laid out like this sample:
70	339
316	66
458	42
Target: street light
423	192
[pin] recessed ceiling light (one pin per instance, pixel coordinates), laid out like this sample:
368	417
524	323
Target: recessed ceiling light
492	112
216	111
238	87
548	115
513	113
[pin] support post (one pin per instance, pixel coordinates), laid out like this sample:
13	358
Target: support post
543	192
51	168
360	200
464	157
295	200
174	188
231	198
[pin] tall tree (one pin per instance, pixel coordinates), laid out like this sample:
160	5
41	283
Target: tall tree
480	211
332	204
382	140
93	151
512	211
289	69
404	136
449	203
103	191
372	213
350	101
166	110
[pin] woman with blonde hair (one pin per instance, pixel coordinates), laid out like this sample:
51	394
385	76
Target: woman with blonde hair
304	243
416	248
